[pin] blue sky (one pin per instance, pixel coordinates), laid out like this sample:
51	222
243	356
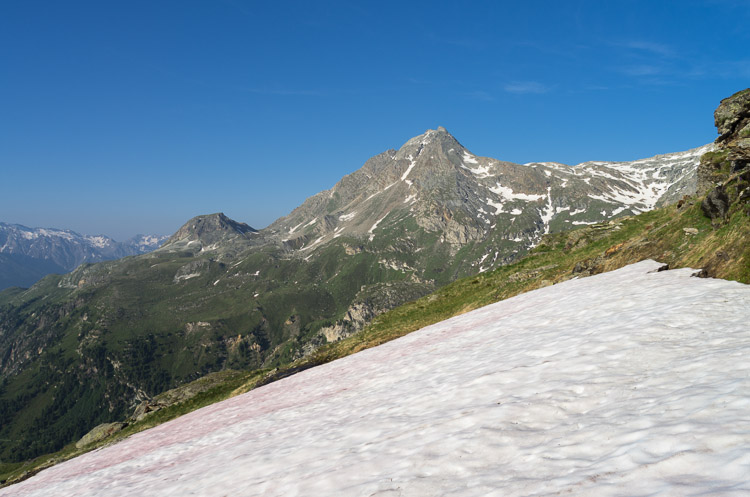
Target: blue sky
131	117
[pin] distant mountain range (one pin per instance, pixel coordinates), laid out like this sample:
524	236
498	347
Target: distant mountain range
28	254
219	294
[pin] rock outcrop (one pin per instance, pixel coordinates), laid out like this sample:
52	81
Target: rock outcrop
100	433
724	173
209	229
732	119
716	203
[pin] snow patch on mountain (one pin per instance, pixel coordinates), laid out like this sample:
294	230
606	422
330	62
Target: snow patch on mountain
408	169
99	241
508	194
371	231
479	171
469	158
497	205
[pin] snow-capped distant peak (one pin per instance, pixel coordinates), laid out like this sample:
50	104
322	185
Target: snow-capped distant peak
99	241
66	249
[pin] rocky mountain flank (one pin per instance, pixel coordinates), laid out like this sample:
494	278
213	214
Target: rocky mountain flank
434	184
207	230
27	254
91	346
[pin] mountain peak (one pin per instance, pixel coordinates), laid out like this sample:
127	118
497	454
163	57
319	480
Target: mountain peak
210	228
432	134
437	140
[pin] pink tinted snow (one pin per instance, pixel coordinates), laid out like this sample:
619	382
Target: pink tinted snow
626	383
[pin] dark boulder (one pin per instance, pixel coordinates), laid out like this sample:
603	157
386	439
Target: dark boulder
716	204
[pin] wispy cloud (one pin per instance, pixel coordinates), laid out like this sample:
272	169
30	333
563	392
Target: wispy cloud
648	47
726	69
646	62
641	70
526	87
467	43
284	92
679	69
480	95
560	51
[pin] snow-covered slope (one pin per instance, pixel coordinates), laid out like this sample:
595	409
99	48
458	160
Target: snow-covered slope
633	382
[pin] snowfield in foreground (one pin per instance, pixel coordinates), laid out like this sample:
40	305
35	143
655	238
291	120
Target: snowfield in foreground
631	383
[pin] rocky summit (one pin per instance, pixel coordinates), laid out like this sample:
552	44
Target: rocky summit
98	344
206	230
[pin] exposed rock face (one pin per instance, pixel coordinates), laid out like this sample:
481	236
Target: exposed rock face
369	303
724	173
732	119
177	395
356	317
100	433
715	205
588	267
190	270
208	230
